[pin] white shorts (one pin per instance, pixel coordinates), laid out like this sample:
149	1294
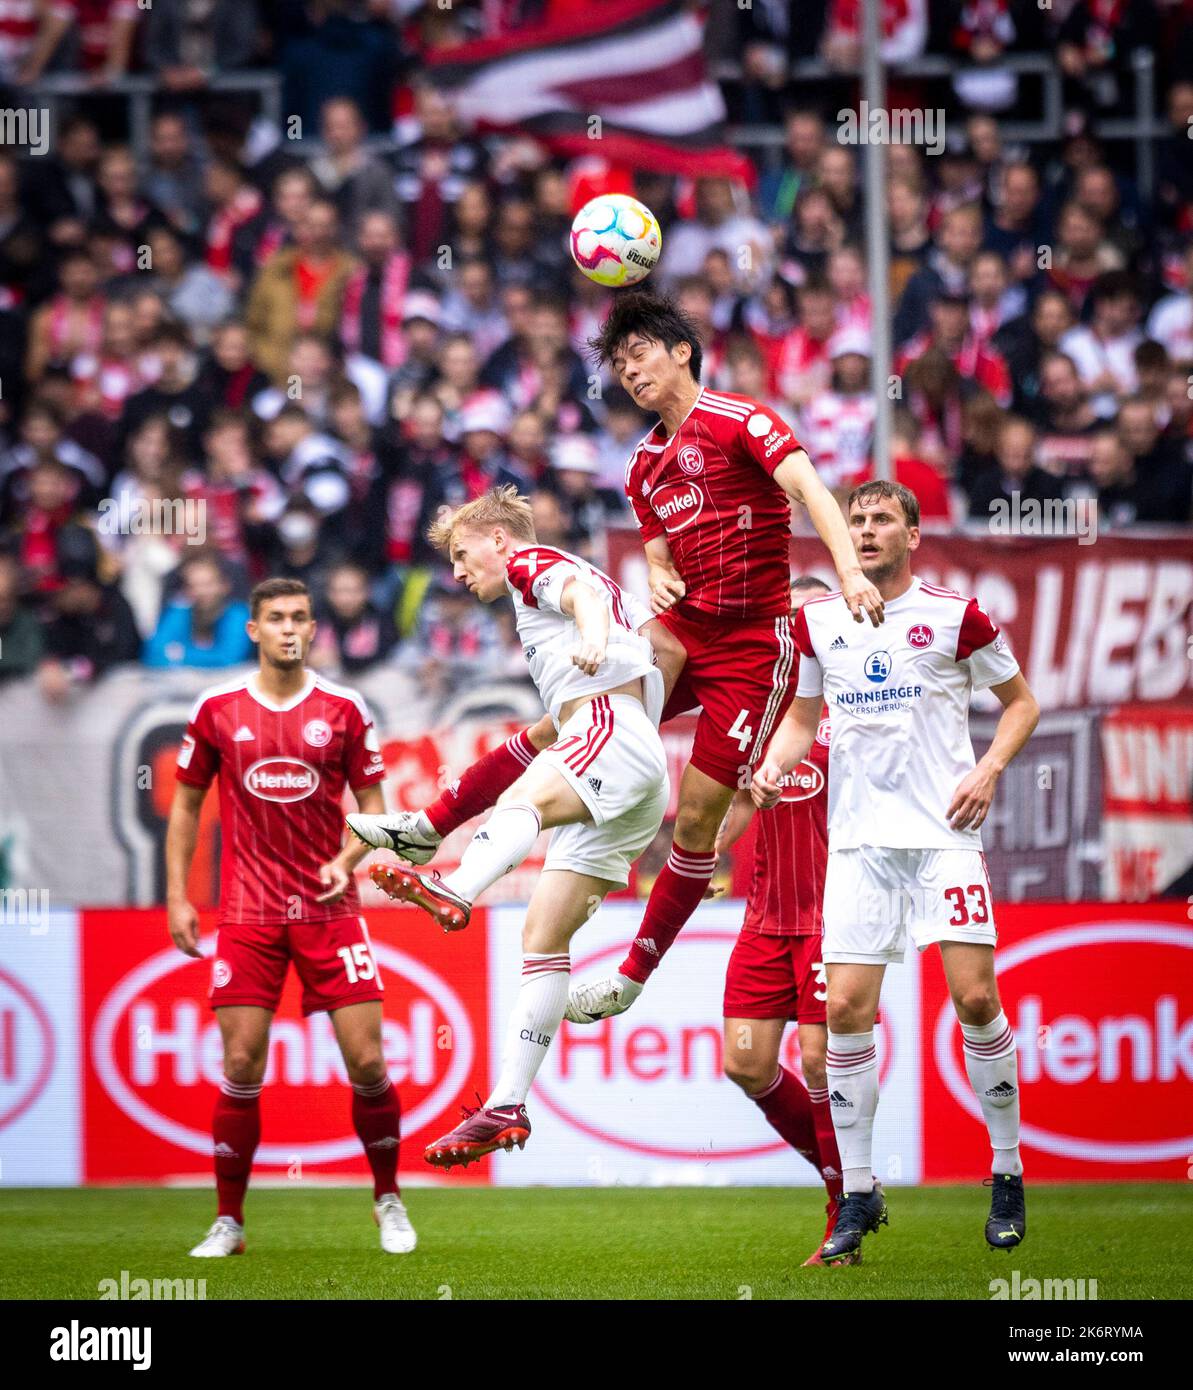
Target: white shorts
874	895
612	755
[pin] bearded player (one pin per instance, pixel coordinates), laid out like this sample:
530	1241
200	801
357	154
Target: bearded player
284	743
711	487
906	803
775	973
602	786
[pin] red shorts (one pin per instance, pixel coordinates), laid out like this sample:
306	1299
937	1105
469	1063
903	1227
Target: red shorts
776	977
334	961
742	675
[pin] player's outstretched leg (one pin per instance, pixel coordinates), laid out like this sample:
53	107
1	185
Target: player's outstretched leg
562	902
417	835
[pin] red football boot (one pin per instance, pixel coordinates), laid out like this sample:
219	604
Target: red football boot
830	1210
427	891
479	1133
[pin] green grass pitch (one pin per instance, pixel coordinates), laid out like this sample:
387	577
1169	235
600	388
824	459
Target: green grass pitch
622	1243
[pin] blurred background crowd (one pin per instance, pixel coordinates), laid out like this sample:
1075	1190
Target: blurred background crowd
297	343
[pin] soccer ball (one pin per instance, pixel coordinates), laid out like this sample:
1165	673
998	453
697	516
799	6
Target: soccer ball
616	240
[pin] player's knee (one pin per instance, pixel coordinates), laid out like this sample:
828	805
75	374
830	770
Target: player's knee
747	1071
847	1014
812	1064
696	827
243	1065
366	1068
977	1003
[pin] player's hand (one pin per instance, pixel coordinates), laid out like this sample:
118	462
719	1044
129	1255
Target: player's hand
863	598
971	801
336	879
589	656
666	590
184	928
766	785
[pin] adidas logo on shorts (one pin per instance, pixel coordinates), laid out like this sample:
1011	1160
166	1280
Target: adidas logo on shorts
595	784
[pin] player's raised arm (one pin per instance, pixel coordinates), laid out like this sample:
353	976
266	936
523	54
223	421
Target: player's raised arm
788	748
975	792
666	585
591	613
182	835
800	481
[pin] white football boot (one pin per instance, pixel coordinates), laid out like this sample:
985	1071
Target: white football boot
397	1234
408	833
591	1001
226	1237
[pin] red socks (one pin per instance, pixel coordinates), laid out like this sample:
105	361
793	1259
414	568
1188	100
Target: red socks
788	1110
674	897
377	1118
482	784
826	1140
235	1130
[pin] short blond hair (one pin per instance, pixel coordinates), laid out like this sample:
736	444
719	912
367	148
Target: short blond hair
500	506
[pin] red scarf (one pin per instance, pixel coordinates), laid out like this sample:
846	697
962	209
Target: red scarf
394	280
224	226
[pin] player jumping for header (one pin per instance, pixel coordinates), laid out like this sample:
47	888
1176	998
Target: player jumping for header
711	487
602	787
906	803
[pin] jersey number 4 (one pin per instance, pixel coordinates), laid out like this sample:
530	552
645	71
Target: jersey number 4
961	909
742	731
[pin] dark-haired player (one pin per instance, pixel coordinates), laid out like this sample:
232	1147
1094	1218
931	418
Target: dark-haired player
284	743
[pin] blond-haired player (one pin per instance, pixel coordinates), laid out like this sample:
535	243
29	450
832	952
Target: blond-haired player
602	786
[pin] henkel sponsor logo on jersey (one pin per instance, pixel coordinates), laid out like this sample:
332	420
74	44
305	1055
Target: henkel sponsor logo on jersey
802	783
1101	1001
677	505
281	779
643	1097
154	1055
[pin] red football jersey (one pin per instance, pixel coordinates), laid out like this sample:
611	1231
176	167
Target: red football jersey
709	490
282	773
791	851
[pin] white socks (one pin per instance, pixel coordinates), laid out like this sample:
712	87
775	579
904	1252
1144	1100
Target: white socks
852	1064
992	1065
500	845
533	1023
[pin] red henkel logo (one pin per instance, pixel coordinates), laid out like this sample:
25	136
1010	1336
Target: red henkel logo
802	783
920	636
281	779
1100	1010
677	505
26	1048
156	1051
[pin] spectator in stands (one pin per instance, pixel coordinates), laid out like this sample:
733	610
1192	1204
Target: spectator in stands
43	438
815	231
330	48
1170	322
803	143
803	368
105	31
723	220
311	464
472	306
353	633
1025	340
175	392
193	293
299	288
589	508
71	322
89	627
438	181
228	376
1157	455
206	627
173	177
237	222
50	505
916	473
417	374
1125	497
1081	255
1103	350
21	641
189	41
124	217
994	301
1065	418
302	546
1014	473
356	181
1017	229
910	239
371	322
837	177
956	243
454	638
950	331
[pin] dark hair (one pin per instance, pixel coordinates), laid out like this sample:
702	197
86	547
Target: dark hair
276	588
653	317
872	491
809	581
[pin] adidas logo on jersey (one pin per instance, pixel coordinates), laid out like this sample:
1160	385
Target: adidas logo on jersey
243	734
838	644
481	835
647	944
595	784
839	1101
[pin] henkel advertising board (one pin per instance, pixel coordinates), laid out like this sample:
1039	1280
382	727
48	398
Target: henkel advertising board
641	1099
1101	1000
154	1056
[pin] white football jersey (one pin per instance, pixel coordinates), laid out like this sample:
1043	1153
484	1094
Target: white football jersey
536	576
898	697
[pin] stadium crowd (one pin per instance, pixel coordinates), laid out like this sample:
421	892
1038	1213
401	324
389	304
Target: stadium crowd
298	350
